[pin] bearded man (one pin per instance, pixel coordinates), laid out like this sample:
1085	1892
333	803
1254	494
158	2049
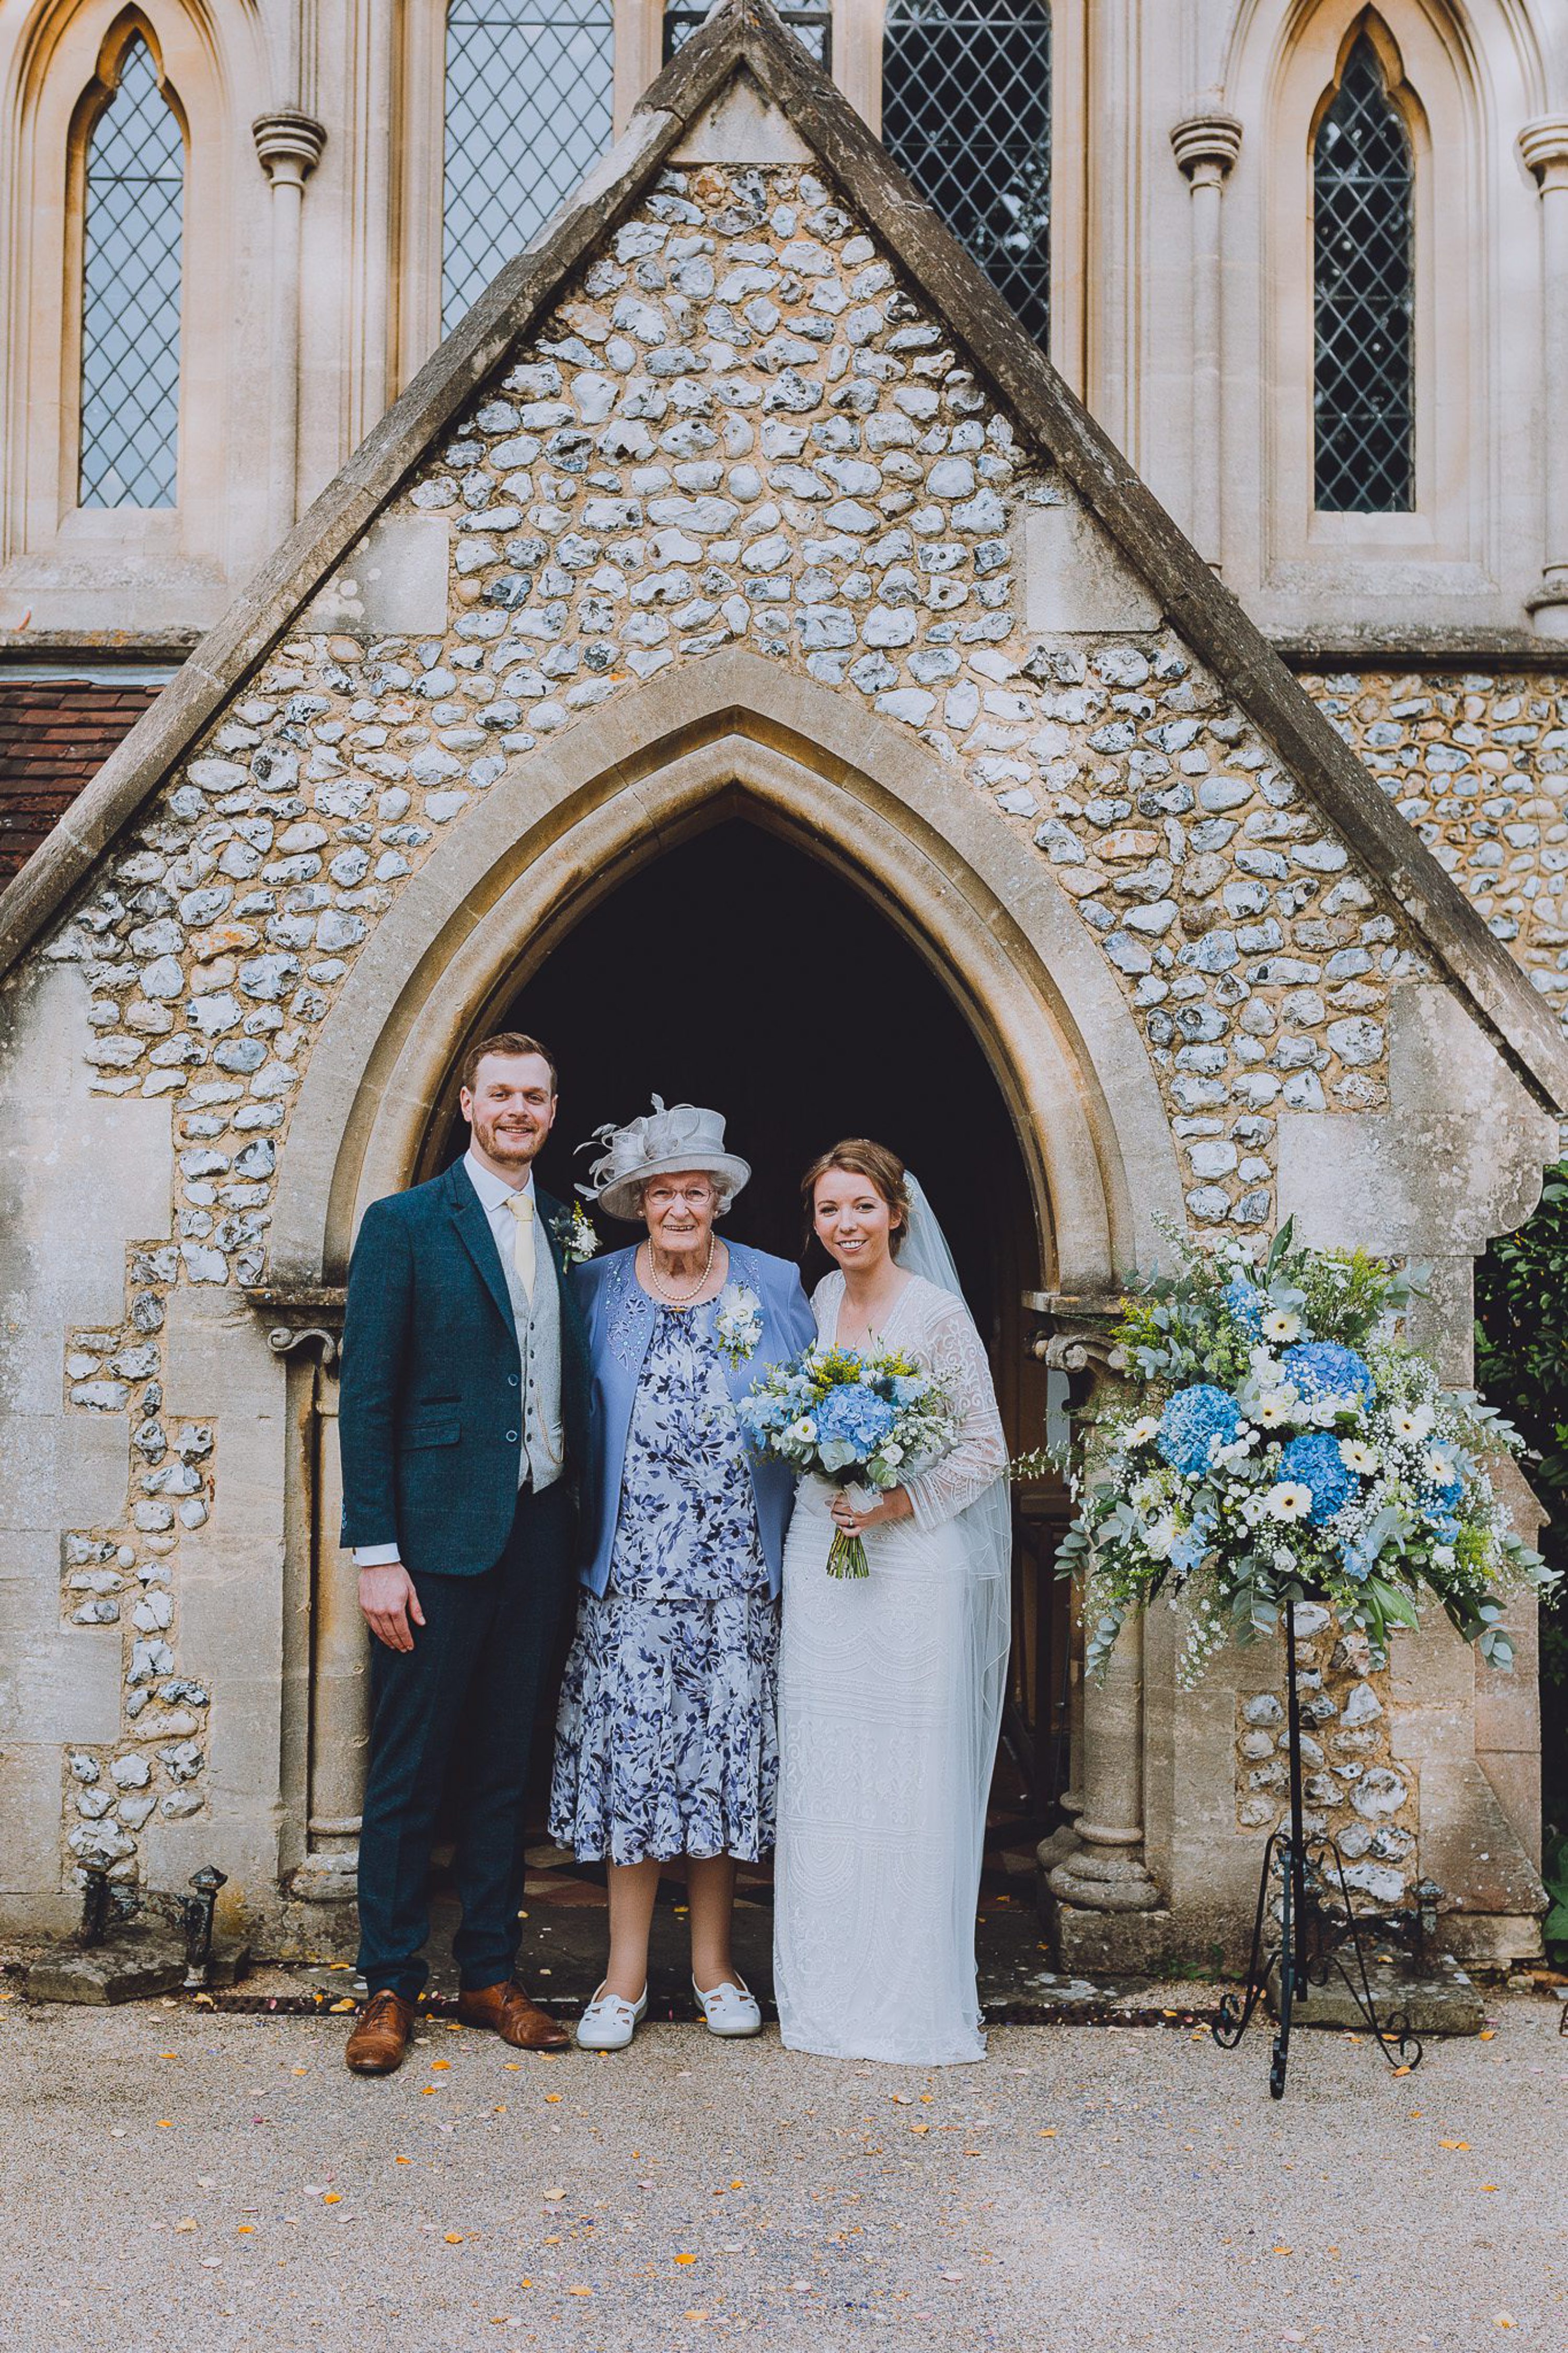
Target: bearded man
464	1406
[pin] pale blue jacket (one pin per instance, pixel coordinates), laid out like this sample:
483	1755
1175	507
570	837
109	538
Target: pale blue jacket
618	1316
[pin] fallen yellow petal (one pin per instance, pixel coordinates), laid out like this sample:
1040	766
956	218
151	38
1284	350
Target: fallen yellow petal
332	2198
1453	2144
454	2237
686	2259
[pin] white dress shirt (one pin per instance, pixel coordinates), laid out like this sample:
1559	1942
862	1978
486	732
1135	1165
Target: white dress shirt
494	1193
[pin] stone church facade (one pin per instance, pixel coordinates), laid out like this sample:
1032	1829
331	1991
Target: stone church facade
742	493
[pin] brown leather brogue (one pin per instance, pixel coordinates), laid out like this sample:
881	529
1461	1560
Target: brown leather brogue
380	2038
505	2010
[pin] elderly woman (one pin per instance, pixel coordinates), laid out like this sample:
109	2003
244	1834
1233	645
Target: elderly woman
666	1746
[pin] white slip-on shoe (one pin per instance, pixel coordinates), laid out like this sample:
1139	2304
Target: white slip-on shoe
609	2023
729	2010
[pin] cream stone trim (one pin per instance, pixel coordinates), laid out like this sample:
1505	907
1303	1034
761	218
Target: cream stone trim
56	80
569	822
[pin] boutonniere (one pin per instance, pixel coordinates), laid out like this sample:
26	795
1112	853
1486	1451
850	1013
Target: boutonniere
575	1235
738	1325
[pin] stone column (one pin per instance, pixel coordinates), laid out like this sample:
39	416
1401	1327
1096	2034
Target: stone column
339	1677
1544	147
290	145
338	1717
1097	1898
1206	146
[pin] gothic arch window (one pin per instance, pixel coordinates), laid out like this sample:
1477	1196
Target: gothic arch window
133	236
1363	399
966	111
529	91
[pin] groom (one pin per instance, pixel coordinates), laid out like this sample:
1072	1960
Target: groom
463	1407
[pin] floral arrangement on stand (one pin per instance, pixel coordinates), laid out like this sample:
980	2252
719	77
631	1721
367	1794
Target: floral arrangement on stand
861	1421
1286	1444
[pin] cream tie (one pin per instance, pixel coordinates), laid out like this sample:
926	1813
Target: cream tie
522	1253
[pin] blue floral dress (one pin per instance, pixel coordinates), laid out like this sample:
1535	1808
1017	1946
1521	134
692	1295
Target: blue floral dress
667	1742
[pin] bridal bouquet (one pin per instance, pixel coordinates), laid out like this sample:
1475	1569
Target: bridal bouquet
859	1420
1284	1442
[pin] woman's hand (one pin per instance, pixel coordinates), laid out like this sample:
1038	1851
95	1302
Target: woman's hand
856	1521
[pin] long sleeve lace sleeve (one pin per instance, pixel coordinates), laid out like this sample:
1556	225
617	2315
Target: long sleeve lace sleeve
952	1348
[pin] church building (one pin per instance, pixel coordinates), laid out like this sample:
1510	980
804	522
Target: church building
989	575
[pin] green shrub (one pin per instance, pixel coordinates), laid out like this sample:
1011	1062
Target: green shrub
1522	1364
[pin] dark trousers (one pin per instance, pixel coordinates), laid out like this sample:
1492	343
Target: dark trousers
473	1680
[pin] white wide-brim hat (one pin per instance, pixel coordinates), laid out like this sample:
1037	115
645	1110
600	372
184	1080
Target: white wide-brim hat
661	1143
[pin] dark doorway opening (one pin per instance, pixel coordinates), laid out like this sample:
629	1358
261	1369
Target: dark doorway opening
738	971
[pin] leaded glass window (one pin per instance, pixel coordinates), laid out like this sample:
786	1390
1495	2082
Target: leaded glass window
966	111
812	20
1364	390
131	294
528	90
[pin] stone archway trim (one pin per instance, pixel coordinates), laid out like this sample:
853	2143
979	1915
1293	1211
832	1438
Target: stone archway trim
737	733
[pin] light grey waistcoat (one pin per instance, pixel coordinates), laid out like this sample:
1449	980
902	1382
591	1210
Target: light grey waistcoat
543	1448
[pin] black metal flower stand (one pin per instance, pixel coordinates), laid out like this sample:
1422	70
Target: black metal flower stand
1318	1928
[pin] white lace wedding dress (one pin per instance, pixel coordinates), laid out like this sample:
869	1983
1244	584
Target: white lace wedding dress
889	1700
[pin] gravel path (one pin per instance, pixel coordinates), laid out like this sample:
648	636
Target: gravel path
177	2180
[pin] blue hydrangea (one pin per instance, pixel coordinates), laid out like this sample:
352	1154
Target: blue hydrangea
1246	1304
1313	1460
1322	1369
1194	1419
856	1415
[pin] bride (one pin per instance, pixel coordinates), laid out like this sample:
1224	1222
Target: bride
890	1687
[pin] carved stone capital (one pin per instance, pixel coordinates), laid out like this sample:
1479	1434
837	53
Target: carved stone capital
1206	146
1073	1333
305	1318
1543	144
289	144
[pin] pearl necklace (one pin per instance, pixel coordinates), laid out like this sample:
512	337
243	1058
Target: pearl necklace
677	1298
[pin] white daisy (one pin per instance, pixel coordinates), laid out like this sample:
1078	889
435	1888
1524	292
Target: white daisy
1144	1430
1275	1407
1281	1326
1357	1456
1288	1500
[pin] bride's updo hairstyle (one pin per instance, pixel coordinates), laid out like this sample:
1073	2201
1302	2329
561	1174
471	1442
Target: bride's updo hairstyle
859	1156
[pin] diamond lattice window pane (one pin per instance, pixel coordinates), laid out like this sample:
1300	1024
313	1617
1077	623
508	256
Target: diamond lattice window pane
966	111
810	20
131	295
529	87
1364	287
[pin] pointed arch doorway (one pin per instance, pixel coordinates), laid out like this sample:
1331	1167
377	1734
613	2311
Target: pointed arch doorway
737	969
857	847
